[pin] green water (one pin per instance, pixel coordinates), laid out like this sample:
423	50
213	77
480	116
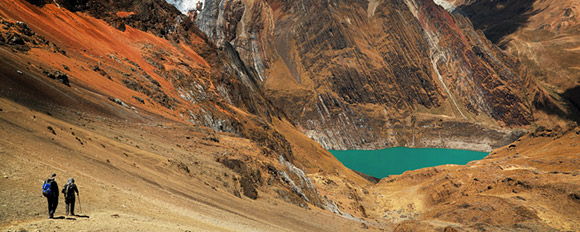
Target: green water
394	161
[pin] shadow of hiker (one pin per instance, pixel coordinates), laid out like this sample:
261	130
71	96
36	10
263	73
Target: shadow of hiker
70	218
59	217
82	216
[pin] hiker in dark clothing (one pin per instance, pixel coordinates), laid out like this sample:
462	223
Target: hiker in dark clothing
50	191
69	190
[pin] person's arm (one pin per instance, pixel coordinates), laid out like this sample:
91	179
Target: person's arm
56	188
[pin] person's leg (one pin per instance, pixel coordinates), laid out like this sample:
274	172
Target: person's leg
49	207
67	208
52	203
55	205
72	208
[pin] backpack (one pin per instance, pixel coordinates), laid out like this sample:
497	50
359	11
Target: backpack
69	191
46	188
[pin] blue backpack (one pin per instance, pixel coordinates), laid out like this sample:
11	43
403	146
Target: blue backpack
46	188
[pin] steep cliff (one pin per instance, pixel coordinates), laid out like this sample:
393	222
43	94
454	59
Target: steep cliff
374	74
543	35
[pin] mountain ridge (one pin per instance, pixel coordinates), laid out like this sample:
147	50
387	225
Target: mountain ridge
340	75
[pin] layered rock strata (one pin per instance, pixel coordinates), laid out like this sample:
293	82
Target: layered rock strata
543	35
375	74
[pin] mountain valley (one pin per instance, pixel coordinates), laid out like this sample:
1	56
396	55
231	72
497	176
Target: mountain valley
221	120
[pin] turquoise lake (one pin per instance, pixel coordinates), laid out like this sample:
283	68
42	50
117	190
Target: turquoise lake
396	160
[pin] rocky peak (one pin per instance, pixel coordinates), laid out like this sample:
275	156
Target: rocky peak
185	6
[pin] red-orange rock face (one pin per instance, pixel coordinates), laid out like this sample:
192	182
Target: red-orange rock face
371	74
143	61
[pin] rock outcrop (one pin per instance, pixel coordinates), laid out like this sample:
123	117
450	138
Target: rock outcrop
186	6
374	74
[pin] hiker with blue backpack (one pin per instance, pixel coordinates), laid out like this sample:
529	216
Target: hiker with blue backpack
50	191
69	190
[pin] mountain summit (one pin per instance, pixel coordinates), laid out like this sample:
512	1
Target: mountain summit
185	5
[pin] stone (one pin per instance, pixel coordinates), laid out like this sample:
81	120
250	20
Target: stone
57	75
16	39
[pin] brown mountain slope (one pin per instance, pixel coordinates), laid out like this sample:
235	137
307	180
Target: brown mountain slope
57	60
374	74
544	35
136	177
530	185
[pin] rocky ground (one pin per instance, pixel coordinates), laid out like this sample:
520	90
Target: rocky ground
529	185
133	177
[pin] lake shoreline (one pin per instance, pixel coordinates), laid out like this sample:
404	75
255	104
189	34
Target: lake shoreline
396	160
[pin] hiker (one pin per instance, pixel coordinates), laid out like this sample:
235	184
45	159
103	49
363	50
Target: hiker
69	190
50	191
